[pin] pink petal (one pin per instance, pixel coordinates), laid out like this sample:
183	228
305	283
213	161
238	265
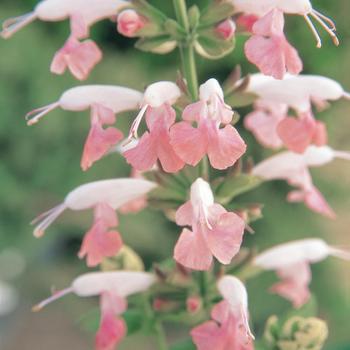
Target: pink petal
98	143
207	336
270	24
130	22
225	146
78	27
246	22
264	128
221	311
194	111
191	251
184	215
106	214
225	238
296	134
294	284
112	330
99	243
189	143
104	114
320	137
79	57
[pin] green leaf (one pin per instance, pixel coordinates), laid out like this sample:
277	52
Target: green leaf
236	185
174	29
161	44
210	45
186	344
134	320
240	99
216	12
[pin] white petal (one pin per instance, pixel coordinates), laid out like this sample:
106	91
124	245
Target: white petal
201	197
123	283
161	92
116	98
114	192
307	250
211	88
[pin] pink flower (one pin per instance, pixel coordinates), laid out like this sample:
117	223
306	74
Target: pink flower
215	232
130	22
246	22
104	101
229	329
104	197
224	146
297	7
79	57
113	288
263	122
291	261
269	49
293	168
155	144
226	29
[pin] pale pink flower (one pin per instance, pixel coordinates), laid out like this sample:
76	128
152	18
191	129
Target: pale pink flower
224	146
104	101
104	197
79	57
155	144
263	122
82	15
215	232
229	329
294	168
297	92
113	288
130	22
291	261
269	49
226	29
295	7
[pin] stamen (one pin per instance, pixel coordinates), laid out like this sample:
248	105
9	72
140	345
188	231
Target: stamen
246	323
40	112
340	253
328	30
55	296
13	25
314	31
346	95
326	19
135	125
342	155
46	219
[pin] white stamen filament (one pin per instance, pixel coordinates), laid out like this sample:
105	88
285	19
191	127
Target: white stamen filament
314	31
39	113
340	253
342	155
46	219
54	297
326	19
13	25
136	124
330	31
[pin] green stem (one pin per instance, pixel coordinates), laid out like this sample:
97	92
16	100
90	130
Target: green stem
187	50
161	338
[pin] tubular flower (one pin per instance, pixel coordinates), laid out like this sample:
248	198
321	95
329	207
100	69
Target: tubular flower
104	101
270	123
269	49
104	197
229	329
294	168
298	7
291	261
224	146
215	232
113	288
155	144
79	57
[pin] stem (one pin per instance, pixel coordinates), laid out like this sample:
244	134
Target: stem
161	339
186	50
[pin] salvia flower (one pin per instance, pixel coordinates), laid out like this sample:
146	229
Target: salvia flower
79	57
160	116
113	288
130	22
229	328
298	7
104	197
294	168
104	101
224	146
215	232
269	49
291	261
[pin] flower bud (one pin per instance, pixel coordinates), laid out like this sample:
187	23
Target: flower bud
226	29
296	333
130	22
193	304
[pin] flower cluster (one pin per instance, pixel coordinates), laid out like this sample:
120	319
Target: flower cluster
188	161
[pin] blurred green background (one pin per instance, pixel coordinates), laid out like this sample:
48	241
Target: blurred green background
39	165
